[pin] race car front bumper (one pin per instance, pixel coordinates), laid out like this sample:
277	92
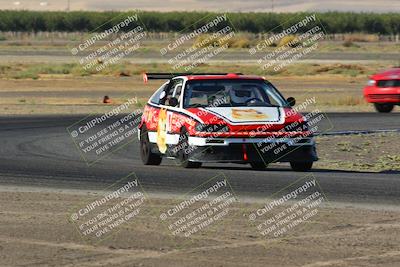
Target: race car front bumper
241	150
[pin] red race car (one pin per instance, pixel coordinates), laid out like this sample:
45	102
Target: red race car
383	90
223	117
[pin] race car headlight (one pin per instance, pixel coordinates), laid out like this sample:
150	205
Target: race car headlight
211	128
371	82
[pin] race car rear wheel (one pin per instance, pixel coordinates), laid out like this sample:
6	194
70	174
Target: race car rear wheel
148	157
383	108
259	166
301	166
184	151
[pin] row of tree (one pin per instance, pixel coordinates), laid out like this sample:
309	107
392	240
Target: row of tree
333	22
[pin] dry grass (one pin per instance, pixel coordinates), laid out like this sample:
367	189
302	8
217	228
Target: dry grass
375	152
237	41
289	40
360	37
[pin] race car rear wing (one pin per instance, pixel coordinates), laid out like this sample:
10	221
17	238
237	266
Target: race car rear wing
169	76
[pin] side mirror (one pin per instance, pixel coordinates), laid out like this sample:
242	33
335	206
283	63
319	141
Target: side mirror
173	102
291	101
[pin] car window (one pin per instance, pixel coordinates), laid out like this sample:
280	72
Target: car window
219	93
174	90
274	97
177	92
155	98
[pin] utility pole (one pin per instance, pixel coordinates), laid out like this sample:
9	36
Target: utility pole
272	6
68	5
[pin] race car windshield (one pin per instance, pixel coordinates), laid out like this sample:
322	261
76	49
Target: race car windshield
231	93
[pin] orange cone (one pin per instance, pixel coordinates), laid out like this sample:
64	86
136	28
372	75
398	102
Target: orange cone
107	100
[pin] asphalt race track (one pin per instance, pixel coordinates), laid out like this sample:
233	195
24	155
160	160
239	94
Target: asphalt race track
37	151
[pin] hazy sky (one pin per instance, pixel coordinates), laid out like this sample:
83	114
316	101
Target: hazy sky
211	5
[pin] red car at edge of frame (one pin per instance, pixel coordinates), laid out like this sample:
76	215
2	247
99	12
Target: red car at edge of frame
383	90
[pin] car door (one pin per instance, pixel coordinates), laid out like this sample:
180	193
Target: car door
166	113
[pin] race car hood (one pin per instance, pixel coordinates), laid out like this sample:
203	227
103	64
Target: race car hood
247	115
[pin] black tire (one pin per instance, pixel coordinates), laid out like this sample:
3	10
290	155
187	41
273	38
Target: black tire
302	166
148	157
183	154
383	108
258	165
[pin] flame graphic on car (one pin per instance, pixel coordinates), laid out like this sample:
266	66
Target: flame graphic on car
248	114
162	131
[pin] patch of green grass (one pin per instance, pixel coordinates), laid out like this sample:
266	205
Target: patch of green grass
53	69
366	143
25	74
350	44
33	71
344	146
388	162
343	69
4	69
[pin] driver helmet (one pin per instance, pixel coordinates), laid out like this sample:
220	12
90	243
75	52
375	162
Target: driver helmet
241	95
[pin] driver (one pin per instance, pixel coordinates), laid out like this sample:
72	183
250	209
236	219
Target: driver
239	96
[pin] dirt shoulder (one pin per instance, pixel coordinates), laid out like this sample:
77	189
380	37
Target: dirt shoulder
35	230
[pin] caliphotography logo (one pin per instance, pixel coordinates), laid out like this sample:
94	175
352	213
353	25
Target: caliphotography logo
104	216
95	136
292	209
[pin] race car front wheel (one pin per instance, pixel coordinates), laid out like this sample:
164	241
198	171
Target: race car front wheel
185	150
148	157
383	108
301	166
